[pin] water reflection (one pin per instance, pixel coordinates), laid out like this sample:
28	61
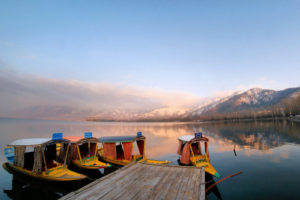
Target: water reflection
24	187
256	148
261	136
162	137
214	190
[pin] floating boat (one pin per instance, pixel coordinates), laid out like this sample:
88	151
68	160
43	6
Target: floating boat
83	152
120	150
37	157
191	152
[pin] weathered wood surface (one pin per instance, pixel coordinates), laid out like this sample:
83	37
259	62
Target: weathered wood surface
146	181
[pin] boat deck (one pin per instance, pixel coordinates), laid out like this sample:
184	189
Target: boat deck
146	181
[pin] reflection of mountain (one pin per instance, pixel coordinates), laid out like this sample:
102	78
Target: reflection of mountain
162	137
260	136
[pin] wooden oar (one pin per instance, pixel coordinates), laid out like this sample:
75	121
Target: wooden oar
222	180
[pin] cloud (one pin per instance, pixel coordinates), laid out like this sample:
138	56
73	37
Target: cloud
28	96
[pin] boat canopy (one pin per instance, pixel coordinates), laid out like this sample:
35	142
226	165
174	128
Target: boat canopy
44	155
80	139
114	139
30	142
124	150
186	138
192	138
73	139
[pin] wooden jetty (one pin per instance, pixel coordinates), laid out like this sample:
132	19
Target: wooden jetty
146	181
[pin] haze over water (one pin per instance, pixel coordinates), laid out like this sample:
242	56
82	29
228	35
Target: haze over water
266	152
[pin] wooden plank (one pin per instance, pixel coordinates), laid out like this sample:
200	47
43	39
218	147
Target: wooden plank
175	185
138	187
98	182
146	181
156	188
182	190
108	185
195	183
202	185
123	182
165	183
150	184
123	188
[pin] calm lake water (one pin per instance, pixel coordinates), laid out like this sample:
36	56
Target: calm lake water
267	153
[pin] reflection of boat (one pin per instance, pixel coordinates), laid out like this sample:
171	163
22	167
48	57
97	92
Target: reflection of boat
37	157
120	150
25	187
83	152
192	153
23	190
209	182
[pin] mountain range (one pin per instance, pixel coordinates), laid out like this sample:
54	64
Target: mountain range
254	99
34	97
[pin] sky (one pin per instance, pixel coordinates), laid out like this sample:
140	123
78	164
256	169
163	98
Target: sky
196	48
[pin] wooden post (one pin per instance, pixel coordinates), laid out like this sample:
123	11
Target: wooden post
194	159
44	158
96	149
132	152
78	152
89	147
66	154
202	185
199	147
144	148
206	149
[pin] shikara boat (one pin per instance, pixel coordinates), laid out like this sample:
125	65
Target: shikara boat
83	152
120	150
38	158
192	153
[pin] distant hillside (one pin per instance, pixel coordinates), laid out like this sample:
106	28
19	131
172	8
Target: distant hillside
255	99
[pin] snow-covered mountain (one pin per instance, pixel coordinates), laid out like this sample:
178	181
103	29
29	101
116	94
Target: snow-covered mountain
165	113
159	114
252	99
210	104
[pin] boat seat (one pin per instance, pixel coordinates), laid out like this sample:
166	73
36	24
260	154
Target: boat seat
196	150
50	164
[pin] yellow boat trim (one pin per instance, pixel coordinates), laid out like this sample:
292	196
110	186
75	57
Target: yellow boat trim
90	163
157	162
203	161
117	162
137	158
59	173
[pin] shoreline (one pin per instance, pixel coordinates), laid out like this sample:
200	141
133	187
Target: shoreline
293	119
